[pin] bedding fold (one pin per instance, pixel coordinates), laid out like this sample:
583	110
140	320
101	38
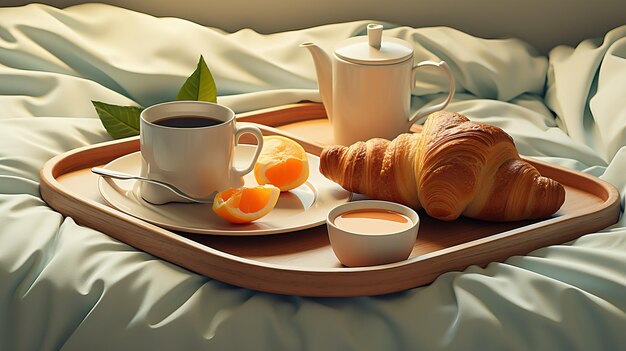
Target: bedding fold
591	76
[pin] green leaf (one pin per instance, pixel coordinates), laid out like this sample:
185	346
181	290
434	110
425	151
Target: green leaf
200	86
119	121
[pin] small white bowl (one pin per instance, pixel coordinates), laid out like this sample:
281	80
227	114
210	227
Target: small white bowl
355	249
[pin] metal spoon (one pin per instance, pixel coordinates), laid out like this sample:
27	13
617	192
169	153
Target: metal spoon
125	176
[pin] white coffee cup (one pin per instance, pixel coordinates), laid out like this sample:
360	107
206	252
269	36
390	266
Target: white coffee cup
196	159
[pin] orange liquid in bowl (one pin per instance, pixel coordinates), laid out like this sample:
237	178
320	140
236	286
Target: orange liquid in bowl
373	221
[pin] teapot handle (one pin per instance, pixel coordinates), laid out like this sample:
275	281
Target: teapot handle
442	65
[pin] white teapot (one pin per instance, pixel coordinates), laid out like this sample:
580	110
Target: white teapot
366	87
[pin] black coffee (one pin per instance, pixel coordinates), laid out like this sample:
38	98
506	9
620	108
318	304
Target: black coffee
188	122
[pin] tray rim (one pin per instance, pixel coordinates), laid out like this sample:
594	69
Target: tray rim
221	265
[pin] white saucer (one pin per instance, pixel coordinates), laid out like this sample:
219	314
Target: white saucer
304	207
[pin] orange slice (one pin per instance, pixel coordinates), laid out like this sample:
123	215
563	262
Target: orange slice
243	205
282	163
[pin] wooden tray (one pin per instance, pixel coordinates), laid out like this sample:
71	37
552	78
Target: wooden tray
302	263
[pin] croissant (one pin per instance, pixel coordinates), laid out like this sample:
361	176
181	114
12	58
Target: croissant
453	167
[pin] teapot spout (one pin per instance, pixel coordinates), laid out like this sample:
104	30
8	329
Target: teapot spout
323	67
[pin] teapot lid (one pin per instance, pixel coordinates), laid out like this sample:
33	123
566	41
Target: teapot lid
372	50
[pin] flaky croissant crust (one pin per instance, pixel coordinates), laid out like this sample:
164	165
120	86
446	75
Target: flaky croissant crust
453	167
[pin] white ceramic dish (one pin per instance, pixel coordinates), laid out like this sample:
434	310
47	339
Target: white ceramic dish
358	249
304	207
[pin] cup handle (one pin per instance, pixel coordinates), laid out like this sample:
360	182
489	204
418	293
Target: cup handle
240	130
442	65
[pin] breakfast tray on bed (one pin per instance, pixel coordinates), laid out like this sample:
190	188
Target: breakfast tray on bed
302	262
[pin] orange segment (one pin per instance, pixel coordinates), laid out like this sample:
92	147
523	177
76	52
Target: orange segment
282	163
243	205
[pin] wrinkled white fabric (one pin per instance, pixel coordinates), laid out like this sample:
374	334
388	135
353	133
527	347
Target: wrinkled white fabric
63	286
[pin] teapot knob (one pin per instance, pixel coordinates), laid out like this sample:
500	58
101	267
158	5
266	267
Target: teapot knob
374	35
